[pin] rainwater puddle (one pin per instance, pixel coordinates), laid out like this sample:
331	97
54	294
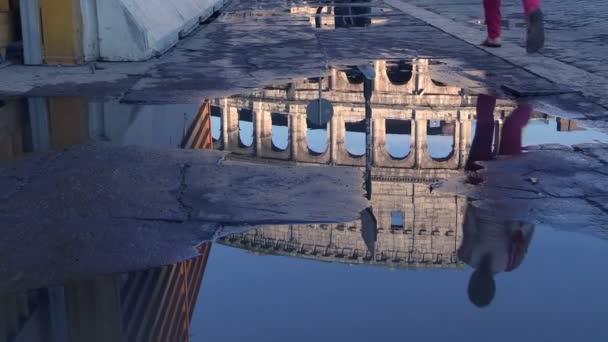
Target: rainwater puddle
337	17
418	264
325	16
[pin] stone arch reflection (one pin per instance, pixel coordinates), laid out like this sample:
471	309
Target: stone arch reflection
398	138
280	131
246	131
317	138
355	138
399	72
354	76
441	138
216	123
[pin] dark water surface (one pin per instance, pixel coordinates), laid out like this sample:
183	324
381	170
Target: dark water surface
557	294
406	275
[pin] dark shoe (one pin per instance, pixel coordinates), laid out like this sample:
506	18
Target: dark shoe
536	32
490	44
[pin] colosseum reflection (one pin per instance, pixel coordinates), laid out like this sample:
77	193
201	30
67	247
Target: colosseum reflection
414	227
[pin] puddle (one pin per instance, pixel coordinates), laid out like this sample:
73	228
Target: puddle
352	280
343	17
152	305
325	15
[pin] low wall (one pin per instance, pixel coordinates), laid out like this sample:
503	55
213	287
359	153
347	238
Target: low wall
136	30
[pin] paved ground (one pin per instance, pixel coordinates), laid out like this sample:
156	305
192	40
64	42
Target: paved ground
255	43
560	186
99	209
577	32
594	87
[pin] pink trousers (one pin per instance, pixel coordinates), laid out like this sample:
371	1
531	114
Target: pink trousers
494	17
512	130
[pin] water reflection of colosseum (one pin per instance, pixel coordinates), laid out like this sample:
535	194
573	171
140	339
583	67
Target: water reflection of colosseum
416	228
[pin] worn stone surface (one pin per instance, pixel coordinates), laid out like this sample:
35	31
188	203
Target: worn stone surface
562	187
574	57
99	209
575	29
263	41
38	252
256	43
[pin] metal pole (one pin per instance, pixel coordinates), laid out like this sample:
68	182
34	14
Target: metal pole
318	17
57	311
367	90
320	96
39	121
97	125
31	32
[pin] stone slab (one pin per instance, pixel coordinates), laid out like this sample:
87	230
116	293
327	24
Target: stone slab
99	209
558	187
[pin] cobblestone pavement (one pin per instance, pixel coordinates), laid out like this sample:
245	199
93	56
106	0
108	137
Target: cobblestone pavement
531	188
577	30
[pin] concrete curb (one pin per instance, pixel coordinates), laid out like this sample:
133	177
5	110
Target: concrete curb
588	84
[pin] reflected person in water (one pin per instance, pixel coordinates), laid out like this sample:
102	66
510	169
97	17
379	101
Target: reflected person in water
493	243
511	134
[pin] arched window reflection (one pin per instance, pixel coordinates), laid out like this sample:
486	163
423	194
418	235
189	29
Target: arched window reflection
398	138
280	131
355	138
246	127
399	72
317	137
354	76
216	123
440	138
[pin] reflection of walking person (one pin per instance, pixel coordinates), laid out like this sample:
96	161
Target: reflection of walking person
511	141
491	245
536	33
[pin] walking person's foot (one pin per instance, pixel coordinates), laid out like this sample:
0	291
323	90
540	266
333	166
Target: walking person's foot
492	43
536	32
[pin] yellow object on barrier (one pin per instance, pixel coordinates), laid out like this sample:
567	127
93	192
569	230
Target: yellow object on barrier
5	6
62	31
11	130
7	32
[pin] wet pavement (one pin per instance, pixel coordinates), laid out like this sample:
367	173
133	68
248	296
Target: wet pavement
334	272
444	198
254	43
571	72
575	29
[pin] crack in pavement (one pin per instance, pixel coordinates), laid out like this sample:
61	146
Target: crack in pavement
149	219
278	212
181	191
224	224
596	205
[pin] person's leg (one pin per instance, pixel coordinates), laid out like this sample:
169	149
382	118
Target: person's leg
530	6
536	28
493	19
481	148
512	131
